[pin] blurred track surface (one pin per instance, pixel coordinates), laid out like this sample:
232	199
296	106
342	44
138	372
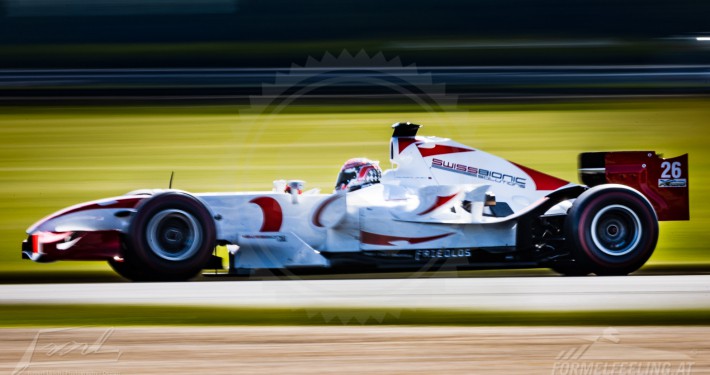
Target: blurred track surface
519	293
359	350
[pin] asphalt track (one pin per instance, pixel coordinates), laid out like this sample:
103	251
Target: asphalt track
357	350
370	349
502	293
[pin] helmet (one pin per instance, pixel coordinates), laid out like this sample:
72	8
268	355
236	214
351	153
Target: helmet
358	173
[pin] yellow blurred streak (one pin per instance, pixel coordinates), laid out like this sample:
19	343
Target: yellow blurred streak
51	158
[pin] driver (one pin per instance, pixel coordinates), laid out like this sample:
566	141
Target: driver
358	173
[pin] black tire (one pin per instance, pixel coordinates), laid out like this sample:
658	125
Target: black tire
128	267
171	238
611	230
130	270
570	268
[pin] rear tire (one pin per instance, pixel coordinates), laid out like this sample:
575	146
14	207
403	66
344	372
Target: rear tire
611	230
171	238
570	268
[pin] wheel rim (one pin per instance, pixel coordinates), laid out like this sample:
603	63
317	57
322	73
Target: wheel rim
174	235
616	230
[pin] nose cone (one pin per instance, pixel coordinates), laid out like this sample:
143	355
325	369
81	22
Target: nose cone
124	202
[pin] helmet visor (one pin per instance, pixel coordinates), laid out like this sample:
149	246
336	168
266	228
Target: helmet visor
344	179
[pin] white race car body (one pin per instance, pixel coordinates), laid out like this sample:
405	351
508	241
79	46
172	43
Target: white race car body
444	204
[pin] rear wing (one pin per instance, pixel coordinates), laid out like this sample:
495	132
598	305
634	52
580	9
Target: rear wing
664	182
405	130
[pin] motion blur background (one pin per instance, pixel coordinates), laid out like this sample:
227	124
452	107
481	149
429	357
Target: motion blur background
99	98
276	33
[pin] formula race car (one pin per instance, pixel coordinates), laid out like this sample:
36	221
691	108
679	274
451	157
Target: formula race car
444	206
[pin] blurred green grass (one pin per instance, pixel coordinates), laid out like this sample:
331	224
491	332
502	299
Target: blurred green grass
52	157
147	315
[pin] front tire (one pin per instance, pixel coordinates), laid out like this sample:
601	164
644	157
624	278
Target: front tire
611	230
131	270
171	238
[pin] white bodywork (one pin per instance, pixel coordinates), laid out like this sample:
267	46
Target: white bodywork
418	205
433	200
443	205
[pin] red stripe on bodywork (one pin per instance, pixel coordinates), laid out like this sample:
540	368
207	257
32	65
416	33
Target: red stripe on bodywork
543	181
100	245
273	216
128	202
403	143
385	240
441	150
319	211
41	238
440	201
111	203
35	244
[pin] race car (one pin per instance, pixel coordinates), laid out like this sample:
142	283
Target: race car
444	205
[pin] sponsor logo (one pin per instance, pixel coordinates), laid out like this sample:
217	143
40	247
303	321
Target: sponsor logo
277	237
672	182
442	254
481	173
605	354
421	255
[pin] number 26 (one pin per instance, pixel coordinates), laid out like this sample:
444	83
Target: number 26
671	170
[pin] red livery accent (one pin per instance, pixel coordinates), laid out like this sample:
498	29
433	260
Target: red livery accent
654	177
385	240
273	216
404	143
121	202
319	210
543	181
440	201
100	245
110	203
37	243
